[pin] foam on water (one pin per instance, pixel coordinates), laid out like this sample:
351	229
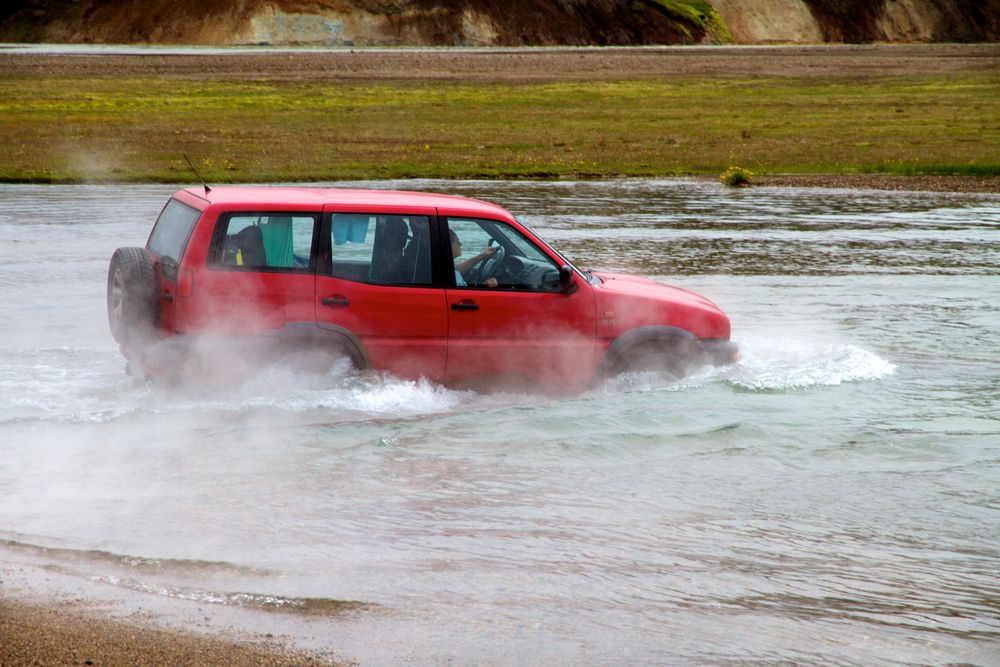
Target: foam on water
371	394
788	364
773	365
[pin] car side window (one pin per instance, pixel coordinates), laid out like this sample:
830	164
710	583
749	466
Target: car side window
381	249
494	254
267	241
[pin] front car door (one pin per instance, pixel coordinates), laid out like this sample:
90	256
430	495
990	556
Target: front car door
525	329
375	280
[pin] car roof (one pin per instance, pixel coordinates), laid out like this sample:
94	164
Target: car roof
278	196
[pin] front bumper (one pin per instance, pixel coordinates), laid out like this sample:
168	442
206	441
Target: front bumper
719	351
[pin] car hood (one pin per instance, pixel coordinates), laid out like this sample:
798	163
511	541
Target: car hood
627	301
624	283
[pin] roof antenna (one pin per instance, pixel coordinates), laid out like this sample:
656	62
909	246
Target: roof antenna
203	183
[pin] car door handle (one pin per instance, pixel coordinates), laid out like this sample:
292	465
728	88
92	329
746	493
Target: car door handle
335	301
465	305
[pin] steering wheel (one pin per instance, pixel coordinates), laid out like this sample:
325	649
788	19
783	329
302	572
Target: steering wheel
490	267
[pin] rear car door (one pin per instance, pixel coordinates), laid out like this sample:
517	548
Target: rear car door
259	274
525	329
375	280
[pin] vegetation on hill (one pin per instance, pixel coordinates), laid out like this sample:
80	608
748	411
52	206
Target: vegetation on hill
696	18
477	22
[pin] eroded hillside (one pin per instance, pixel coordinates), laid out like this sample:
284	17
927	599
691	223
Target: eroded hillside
496	22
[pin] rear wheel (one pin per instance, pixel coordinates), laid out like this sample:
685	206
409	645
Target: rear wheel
315	358
132	297
314	362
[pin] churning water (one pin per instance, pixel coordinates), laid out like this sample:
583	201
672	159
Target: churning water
833	498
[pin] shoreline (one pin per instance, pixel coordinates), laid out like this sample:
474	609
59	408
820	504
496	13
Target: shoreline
890	182
54	613
916	183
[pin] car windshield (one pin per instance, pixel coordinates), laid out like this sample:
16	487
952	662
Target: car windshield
509	237
589	275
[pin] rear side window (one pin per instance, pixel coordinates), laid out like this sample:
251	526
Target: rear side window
171	233
266	241
381	249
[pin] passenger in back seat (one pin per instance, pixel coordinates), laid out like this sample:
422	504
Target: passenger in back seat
245	248
389	265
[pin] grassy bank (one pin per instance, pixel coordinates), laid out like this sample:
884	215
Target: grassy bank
66	129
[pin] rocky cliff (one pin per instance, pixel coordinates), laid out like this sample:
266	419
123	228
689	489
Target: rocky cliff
496	22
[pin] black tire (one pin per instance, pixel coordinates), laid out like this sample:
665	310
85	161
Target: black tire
133	302
671	356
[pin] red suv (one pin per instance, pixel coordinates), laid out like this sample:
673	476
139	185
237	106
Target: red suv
419	285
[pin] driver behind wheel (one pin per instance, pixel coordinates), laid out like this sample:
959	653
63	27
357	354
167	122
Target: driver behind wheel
466	264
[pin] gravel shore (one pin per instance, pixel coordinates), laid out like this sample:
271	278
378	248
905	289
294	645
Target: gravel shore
62	634
985	184
850	63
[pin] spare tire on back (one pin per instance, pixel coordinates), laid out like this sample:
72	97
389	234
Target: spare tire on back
133	308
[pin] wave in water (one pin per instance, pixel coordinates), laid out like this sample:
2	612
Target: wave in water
145	575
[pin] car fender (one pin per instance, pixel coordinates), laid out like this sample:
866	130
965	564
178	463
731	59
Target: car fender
329	337
653	335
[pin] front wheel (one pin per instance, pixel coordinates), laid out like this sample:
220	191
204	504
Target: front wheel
132	297
669	357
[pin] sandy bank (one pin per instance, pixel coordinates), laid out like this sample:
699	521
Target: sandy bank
68	633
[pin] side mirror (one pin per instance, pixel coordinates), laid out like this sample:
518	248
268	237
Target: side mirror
567	283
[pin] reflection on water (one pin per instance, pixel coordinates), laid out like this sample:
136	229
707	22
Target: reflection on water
833	498
668	228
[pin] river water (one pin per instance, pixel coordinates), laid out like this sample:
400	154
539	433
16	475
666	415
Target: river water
833	498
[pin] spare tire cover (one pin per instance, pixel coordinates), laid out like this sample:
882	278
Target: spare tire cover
132	297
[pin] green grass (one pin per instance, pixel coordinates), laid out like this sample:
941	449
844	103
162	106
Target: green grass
91	129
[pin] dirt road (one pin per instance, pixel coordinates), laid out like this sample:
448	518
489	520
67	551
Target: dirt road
847	62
